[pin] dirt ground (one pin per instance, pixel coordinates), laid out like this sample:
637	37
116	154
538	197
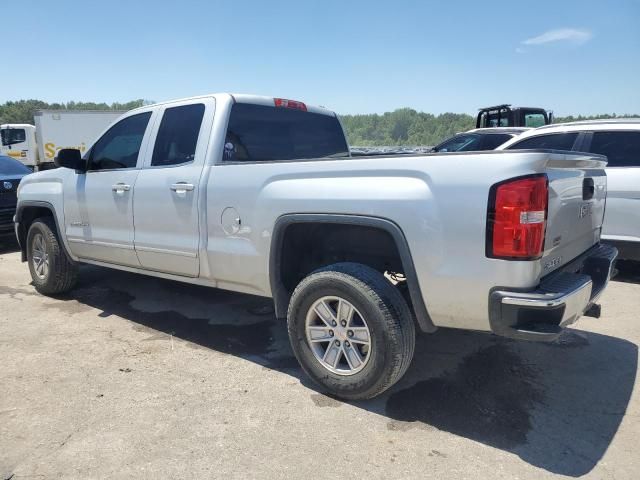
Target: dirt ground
136	377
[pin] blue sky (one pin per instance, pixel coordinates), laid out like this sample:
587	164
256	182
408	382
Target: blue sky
573	57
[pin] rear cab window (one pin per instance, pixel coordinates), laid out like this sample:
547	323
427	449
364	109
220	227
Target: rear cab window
552	141
495	118
622	148
259	133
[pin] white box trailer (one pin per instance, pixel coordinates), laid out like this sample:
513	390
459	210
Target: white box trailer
36	146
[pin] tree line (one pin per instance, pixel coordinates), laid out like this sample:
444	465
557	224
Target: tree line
404	126
22	111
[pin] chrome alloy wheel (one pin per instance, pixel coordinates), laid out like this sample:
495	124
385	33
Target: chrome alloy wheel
39	256
338	335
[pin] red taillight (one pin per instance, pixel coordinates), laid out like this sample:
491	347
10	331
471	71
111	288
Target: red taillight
517	218
284	103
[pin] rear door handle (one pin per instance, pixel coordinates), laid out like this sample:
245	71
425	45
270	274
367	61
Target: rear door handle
182	187
120	188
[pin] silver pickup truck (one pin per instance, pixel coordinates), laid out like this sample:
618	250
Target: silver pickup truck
261	195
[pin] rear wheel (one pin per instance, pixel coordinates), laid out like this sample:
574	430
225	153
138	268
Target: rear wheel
51	270
351	330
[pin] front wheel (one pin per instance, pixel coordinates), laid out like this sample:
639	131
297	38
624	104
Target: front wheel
51	270
351	330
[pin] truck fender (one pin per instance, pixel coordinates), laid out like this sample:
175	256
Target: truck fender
22	232
281	295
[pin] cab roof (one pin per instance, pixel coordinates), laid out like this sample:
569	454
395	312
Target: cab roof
514	130
597	122
626	124
243	98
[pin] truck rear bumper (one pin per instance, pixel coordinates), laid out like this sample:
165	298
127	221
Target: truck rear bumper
561	298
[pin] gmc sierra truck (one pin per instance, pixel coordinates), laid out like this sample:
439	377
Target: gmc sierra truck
261	195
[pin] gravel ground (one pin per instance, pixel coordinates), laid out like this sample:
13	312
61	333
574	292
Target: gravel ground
130	376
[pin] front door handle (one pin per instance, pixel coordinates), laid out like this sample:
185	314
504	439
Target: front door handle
120	188
182	187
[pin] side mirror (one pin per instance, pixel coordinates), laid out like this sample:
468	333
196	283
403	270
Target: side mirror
70	158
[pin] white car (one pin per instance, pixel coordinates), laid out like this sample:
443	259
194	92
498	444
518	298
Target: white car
479	139
619	141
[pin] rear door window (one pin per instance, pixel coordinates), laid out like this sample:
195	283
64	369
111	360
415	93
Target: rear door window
553	141
621	148
178	135
258	133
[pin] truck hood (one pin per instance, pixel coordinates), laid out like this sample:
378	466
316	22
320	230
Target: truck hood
55	175
43	175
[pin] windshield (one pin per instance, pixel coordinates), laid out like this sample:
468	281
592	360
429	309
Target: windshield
9	166
460	143
11	136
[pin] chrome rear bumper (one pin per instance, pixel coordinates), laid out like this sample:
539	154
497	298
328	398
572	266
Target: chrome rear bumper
561	298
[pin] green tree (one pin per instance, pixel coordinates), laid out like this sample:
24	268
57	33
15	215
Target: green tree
403	126
406	126
22	111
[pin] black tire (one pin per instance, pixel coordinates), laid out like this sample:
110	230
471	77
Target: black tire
62	272
388	317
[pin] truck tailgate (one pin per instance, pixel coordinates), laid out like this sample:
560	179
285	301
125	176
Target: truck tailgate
577	198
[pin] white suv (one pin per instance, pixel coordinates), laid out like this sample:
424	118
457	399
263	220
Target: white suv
619	140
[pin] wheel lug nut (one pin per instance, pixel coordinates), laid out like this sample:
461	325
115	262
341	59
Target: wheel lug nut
331	333
346	343
337	343
334	323
350	333
343	323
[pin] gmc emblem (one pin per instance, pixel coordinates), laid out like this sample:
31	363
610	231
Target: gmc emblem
585	210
